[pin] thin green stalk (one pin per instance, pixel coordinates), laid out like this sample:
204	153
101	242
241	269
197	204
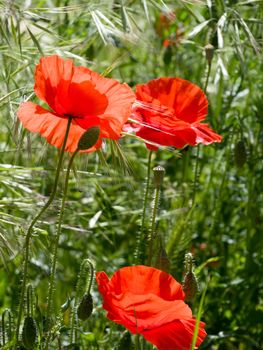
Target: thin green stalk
153	225
139	256
30	230
207	76
198	146
198	318
137	342
57	237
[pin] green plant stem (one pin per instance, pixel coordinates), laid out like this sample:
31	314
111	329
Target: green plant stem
198	146
153	225
139	254
199	314
207	76
55	251
31	226
137	342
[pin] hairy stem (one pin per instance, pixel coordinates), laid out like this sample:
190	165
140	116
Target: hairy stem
153	224
139	255
55	251
30	230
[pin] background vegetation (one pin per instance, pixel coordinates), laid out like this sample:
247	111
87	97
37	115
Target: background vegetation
222	227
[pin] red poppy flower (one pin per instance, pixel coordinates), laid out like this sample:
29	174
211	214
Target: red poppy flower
80	93
150	302
170	112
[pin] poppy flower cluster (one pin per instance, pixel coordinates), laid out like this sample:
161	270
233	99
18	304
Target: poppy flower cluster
150	302
170	112
167	111
77	92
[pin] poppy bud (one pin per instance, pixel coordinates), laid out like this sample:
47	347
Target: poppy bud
190	286
89	138
240	154
209	52
85	307
29	333
190	283
158	175
125	342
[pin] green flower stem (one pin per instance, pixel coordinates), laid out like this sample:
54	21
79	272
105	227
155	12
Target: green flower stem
30	230
139	253
198	146
57	237
207	76
153	224
137	342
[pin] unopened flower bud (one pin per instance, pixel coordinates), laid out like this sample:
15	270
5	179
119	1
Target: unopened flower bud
29	333
209	52
89	138
240	154
158	176
85	307
190	286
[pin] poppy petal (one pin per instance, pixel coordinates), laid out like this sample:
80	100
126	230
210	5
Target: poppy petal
175	335
144	311
148	280
51	127
188	100
84	100
120	98
114	113
175	138
205	135
52	79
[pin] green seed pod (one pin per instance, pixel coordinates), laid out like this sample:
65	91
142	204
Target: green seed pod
158	176
240	154
85	307
29	333
190	286
125	342
209	52
89	138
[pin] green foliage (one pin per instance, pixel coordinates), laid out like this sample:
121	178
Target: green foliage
223	228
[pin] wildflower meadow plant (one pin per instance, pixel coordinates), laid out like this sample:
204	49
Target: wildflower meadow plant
80	100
